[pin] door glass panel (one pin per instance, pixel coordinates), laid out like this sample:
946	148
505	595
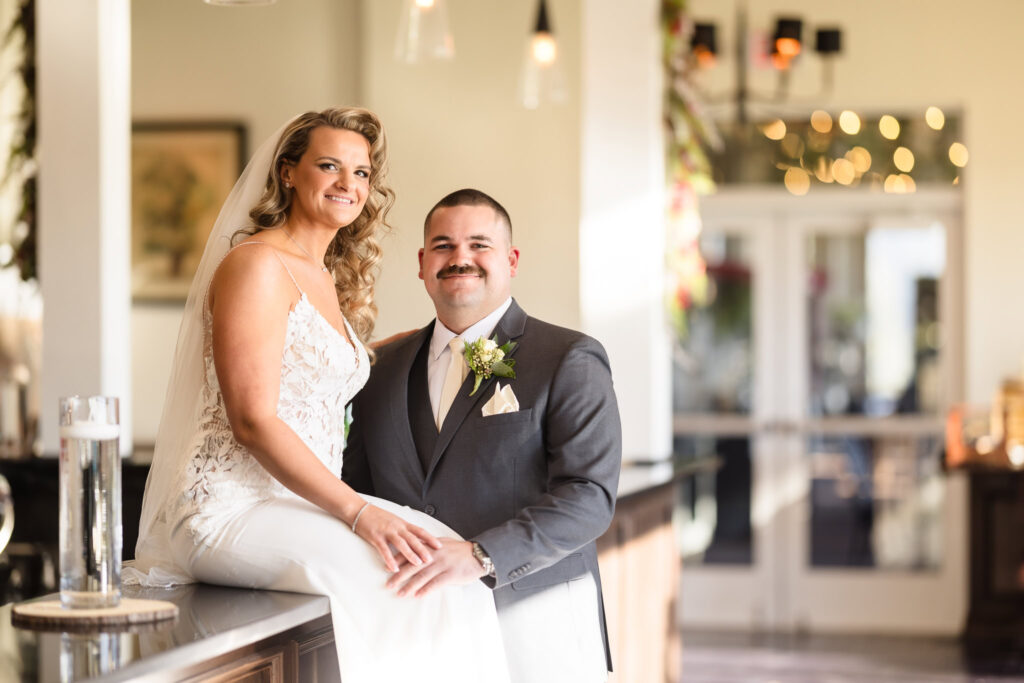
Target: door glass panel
876	501
713	356
873	321
714	507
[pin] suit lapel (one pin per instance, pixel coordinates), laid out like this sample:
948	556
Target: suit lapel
398	392
509	327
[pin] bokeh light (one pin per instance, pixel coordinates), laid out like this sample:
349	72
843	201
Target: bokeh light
958	154
774	130
843	171
903	158
823	170
860	158
849	122
889	127
797	181
895	184
793	145
821	121
934	117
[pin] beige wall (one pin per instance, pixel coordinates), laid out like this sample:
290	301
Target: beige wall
904	56
450	125
259	65
457	124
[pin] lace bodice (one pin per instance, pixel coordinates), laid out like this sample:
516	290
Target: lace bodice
320	373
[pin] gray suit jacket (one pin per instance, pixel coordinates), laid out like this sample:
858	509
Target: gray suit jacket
535	488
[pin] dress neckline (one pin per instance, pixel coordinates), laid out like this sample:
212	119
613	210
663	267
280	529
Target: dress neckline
347	338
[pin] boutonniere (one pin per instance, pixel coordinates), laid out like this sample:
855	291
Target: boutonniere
485	358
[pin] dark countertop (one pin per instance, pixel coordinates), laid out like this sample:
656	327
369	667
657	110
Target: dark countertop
212	621
639	476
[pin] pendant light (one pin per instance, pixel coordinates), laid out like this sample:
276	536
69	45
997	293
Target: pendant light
423	32
542	80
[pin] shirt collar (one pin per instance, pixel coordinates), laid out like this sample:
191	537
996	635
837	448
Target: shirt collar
482	328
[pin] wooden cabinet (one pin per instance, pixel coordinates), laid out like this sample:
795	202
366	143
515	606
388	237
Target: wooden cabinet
274	664
640	571
305	654
996	615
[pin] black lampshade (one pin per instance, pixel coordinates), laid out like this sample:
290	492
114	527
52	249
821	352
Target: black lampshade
828	41
704	38
543	24
789	28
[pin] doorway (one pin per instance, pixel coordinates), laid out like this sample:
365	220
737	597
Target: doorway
817	374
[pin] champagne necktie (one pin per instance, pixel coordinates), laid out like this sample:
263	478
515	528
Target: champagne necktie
452	379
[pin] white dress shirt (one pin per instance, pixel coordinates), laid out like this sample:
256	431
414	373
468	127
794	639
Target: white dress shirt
440	356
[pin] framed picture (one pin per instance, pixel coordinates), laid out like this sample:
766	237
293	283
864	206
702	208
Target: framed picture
181	174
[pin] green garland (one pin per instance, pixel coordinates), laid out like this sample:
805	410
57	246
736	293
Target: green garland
21	157
689	134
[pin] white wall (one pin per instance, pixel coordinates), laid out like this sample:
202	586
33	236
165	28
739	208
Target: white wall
260	65
83	209
622	222
904	56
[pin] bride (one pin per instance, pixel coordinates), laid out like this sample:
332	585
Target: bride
245	488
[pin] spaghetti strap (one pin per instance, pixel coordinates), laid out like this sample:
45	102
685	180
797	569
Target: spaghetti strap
286	268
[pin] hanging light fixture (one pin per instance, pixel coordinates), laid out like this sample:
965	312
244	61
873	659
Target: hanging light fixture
783	50
541	79
423	32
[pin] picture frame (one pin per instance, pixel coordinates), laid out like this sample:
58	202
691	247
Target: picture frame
181	173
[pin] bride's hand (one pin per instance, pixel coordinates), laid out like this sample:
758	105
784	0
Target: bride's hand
384	531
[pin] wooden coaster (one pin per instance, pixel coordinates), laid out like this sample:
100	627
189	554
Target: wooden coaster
49	613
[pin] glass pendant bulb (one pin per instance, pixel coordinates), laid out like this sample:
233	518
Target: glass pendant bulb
541	79
423	32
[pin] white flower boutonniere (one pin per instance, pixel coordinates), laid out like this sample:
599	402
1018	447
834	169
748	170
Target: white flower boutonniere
485	358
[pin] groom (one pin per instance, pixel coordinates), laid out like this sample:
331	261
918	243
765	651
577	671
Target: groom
527	475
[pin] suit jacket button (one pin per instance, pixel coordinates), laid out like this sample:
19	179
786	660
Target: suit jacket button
430	510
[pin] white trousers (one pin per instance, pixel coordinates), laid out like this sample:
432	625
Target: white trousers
554	635
451	635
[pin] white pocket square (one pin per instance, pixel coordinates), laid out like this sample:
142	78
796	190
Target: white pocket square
503	401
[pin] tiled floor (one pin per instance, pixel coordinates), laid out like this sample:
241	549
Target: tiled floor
731	658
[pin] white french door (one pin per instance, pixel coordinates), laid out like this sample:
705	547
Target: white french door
817	375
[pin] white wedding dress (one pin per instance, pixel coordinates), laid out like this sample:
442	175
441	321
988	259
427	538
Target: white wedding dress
234	524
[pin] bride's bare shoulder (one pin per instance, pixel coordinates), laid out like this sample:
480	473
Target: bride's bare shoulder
255	268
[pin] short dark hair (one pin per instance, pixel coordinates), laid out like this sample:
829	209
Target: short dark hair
470	197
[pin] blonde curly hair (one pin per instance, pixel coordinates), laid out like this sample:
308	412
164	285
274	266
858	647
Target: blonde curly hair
354	255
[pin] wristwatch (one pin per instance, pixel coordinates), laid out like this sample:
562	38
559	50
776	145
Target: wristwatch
484	559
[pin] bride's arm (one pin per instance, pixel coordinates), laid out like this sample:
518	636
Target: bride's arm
250	297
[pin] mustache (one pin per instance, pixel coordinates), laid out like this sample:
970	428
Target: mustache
467	269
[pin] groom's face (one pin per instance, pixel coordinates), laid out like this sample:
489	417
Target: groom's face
467	261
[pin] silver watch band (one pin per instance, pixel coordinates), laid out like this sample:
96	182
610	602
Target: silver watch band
486	563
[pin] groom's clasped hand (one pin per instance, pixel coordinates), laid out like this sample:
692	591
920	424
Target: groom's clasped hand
452	563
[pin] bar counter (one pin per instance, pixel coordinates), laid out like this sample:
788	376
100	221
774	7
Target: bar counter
235	634
220	633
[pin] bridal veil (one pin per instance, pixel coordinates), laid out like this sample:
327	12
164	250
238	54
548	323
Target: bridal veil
154	564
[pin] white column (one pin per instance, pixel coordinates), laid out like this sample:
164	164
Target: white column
84	204
622	226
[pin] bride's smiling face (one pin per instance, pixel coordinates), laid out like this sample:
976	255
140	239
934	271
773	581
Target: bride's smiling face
329	184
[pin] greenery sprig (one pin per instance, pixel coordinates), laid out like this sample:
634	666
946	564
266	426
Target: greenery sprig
485	358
